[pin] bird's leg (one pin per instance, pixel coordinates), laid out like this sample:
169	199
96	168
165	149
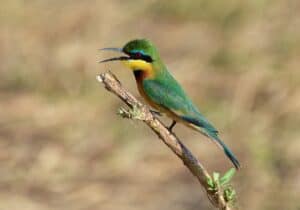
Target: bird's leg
155	112
172	125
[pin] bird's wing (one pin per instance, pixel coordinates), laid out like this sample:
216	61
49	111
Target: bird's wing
172	97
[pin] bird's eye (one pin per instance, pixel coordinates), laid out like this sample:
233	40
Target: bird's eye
138	55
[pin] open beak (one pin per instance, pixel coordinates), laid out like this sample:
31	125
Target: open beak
121	58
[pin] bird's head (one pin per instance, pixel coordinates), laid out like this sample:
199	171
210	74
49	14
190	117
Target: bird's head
139	54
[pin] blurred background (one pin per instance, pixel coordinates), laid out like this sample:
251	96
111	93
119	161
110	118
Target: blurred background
62	146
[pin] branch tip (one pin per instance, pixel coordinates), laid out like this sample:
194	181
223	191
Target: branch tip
99	78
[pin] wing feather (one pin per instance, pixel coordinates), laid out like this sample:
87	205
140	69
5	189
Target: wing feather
172	97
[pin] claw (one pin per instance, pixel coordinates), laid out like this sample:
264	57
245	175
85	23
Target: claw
156	112
172	125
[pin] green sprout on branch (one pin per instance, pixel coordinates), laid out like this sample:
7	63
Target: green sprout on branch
222	185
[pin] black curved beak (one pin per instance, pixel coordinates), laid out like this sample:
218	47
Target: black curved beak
121	58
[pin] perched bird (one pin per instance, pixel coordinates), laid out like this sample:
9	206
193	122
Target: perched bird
159	88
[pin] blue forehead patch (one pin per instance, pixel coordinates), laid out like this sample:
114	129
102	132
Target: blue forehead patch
138	51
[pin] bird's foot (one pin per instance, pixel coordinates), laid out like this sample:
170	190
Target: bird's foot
156	112
172	125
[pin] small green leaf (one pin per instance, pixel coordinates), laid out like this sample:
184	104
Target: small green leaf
216	176
227	177
210	183
229	194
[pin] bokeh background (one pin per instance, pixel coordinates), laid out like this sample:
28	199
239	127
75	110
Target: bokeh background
62	146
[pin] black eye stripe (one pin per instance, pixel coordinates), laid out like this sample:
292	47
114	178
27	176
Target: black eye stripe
140	56
147	58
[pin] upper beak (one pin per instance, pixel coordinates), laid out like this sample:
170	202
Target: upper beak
112	49
116	58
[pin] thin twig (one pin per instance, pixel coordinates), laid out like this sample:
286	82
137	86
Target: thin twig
139	111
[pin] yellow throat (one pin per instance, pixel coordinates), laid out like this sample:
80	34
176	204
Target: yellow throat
139	65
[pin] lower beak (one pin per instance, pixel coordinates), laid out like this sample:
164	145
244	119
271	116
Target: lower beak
121	58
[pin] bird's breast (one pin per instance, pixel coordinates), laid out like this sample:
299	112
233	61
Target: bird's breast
140	76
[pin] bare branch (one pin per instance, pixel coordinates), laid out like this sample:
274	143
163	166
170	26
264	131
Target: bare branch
141	112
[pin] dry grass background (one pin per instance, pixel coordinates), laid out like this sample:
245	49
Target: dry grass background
63	147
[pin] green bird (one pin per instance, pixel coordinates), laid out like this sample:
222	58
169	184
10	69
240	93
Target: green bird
160	89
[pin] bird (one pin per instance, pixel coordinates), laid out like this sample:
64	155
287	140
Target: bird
162	92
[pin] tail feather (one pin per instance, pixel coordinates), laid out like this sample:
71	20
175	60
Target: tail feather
227	151
207	129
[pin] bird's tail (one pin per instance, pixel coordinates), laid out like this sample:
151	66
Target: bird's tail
203	126
214	136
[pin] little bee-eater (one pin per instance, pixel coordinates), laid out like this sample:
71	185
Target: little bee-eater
159	88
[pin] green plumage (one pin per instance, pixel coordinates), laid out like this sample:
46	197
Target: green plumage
161	90
165	91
